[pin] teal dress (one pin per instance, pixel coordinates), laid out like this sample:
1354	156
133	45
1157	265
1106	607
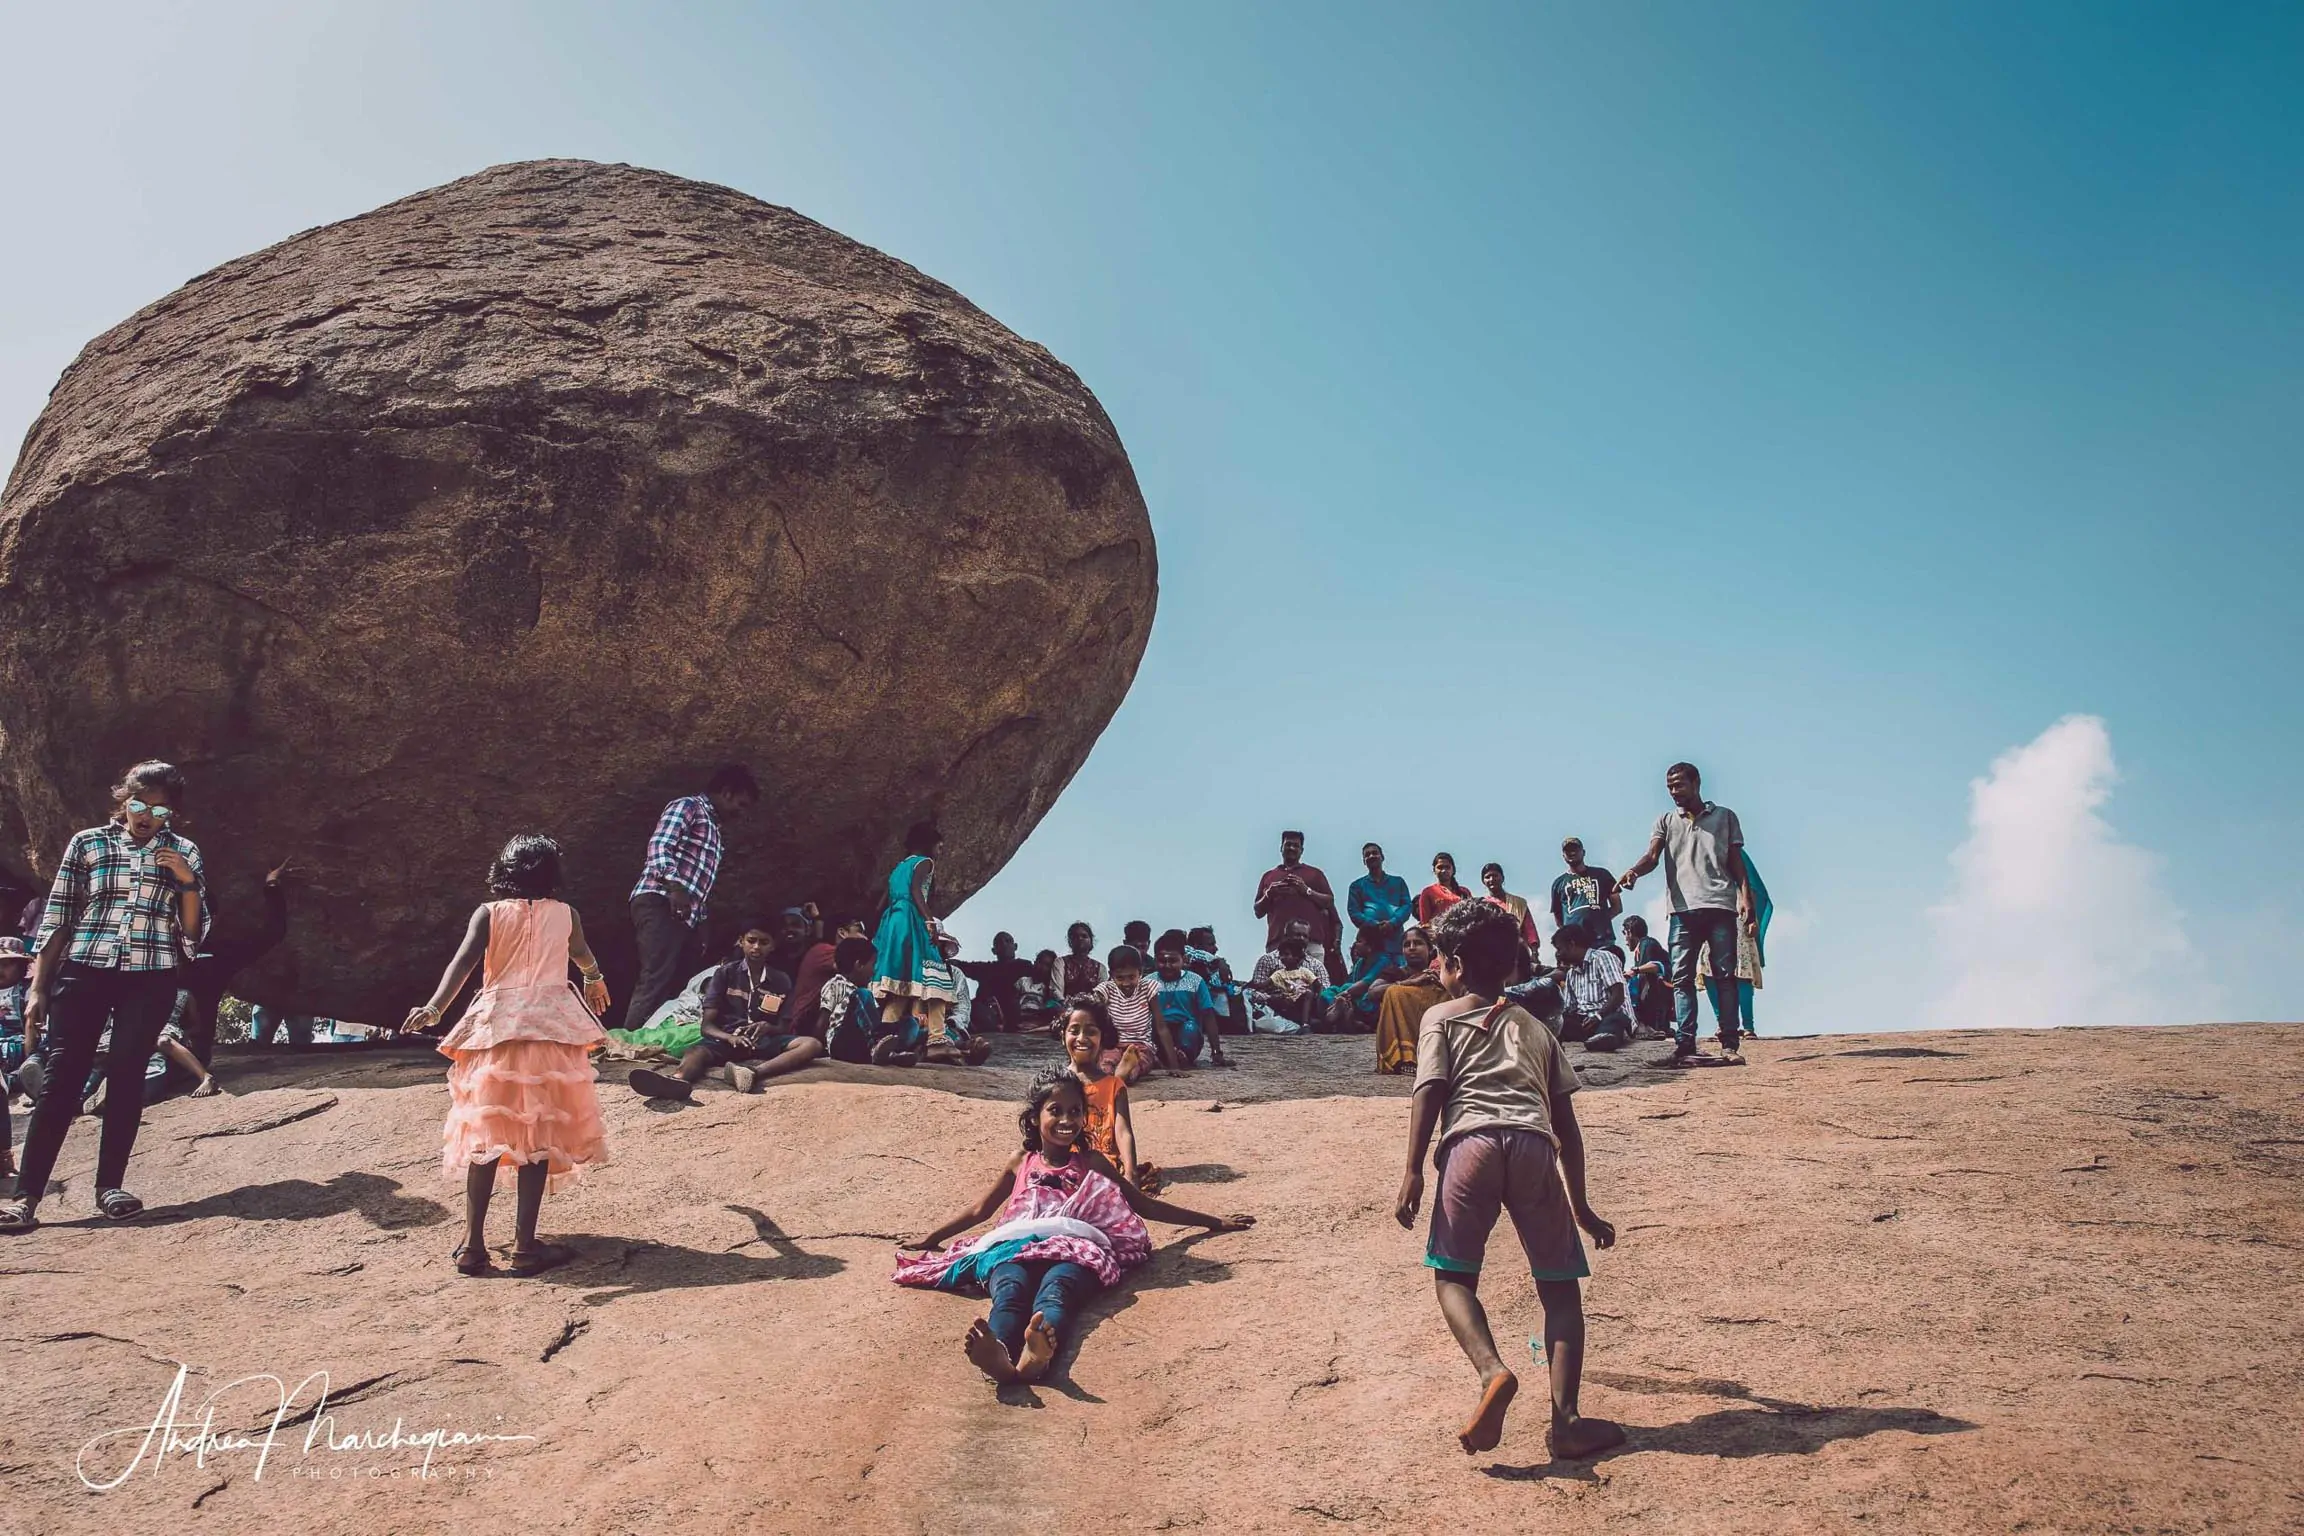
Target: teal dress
909	963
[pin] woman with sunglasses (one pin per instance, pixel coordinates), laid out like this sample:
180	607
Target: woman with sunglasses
126	914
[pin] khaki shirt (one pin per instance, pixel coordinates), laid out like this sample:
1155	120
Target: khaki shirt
1501	1065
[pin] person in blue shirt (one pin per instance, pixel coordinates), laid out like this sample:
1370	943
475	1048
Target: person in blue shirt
1378	905
1190	1008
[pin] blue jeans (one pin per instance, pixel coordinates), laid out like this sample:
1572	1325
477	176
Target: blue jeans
1022	1287
1691	931
263	1022
1189	1037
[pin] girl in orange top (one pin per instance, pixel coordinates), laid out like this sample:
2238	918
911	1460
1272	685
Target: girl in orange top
1088	1034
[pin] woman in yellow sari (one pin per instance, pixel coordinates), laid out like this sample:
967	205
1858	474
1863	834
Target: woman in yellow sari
1400	1012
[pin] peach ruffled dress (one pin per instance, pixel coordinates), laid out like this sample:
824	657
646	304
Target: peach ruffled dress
520	1084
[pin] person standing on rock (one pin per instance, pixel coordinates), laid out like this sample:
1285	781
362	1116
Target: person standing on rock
1494	1082
668	905
1380	905
124	918
1292	891
913	973
1585	888
1701	846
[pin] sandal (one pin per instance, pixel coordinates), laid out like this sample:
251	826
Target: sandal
471	1264
118	1205
16	1216
542	1257
661	1085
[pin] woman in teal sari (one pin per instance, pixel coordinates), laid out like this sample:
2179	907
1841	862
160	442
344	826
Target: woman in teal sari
911	973
1751	950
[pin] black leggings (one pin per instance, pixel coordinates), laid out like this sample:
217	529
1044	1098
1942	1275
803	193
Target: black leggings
80	999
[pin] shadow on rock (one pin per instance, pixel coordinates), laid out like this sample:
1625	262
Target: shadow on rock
615	1267
1201	1173
370	1195
1769	1427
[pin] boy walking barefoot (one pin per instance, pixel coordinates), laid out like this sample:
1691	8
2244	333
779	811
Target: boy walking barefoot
1495	1083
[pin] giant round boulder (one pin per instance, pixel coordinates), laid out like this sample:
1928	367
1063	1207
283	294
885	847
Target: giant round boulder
522	504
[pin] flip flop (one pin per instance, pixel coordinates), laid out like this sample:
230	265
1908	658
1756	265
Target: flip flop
545	1256
661	1085
118	1205
465	1266
17	1216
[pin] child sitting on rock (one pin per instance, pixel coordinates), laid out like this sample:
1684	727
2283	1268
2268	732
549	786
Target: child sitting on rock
1088	1034
1496	1084
850	1016
1135	1007
1069	1226
1190	1008
743	1004
1285	986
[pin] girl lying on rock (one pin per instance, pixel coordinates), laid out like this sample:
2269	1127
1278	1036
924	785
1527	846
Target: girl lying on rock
1069	1226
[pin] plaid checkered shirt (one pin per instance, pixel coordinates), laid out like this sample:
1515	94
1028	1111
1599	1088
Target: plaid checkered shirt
118	904
683	855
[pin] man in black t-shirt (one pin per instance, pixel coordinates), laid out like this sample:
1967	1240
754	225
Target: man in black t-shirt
1586	887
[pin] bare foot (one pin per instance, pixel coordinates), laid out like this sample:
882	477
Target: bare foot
988	1354
1580	1438
1039	1350
208	1088
1486	1426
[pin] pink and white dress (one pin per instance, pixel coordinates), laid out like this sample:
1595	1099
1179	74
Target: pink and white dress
520	1086
1070	1213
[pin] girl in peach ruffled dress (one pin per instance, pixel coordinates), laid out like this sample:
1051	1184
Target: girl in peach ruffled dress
520	1092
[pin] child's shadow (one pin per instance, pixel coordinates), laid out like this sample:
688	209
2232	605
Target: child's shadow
1169	1267
379	1200
1769	1427
611	1268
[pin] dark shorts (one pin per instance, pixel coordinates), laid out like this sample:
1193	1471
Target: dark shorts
722	1052
1484	1174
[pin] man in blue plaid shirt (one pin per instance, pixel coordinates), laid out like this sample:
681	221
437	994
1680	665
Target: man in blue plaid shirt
675	887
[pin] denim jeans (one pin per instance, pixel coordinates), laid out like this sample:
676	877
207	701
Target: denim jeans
1691	931
264	1022
1022	1287
80	1001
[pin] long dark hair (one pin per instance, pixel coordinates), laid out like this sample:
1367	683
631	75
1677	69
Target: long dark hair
1045	1087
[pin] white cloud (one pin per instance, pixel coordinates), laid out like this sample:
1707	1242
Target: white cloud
2052	919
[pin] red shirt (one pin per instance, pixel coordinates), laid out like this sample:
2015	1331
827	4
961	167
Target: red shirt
1290	907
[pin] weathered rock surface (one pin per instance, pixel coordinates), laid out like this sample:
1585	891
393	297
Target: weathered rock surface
2040	1281
522	503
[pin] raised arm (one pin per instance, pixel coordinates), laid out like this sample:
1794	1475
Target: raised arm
1160	1210
981	1211
460	966
1642	864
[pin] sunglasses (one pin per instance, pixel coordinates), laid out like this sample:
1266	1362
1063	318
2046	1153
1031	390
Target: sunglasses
157	812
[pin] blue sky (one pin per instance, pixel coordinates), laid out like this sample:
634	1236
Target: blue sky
1526	397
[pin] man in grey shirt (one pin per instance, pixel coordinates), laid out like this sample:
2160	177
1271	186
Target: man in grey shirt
1701	846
